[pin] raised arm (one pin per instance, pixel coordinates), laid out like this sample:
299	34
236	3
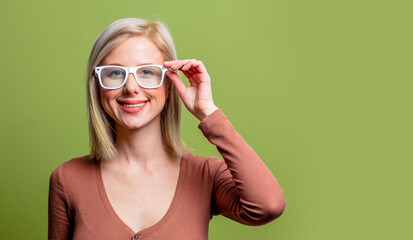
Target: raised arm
59	226
244	188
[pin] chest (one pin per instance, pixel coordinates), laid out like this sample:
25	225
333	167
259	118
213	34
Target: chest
141	201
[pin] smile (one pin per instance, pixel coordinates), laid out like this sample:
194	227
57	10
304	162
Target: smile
134	105
131	107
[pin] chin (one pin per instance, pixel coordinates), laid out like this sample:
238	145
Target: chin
134	124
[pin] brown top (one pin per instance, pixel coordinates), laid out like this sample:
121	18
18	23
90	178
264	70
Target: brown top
241	188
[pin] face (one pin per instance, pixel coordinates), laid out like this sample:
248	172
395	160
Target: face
132	106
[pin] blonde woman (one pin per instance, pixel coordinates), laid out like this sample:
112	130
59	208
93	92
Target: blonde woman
140	180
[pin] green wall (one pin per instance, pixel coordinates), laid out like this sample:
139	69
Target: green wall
321	89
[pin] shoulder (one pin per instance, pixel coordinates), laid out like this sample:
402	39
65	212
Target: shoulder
75	164
201	165
73	168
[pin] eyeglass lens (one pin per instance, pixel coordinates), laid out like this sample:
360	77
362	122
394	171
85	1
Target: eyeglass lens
150	76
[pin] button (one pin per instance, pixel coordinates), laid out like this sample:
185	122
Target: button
136	236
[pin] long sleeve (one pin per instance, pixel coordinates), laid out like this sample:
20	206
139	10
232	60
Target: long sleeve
245	190
59	226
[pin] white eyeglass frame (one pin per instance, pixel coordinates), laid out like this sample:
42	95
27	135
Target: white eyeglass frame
128	70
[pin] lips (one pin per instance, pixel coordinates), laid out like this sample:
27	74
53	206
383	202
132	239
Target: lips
132	106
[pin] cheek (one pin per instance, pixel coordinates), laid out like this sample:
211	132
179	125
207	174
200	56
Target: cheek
105	97
162	95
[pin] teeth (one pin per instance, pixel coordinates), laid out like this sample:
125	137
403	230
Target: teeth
134	105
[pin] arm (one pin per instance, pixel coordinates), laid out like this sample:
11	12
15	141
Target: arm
60	226
245	190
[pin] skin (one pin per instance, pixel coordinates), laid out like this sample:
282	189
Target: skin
140	181
197	98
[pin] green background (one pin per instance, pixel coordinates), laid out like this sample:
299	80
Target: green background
322	90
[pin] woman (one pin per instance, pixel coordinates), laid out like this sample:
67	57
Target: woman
140	180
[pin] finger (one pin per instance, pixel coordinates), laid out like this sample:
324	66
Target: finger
194	65
199	67
187	74
177	81
188	65
178	65
170	63
190	72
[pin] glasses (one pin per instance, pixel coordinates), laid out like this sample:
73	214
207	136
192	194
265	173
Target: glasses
147	76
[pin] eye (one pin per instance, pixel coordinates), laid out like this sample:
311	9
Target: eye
115	73
149	72
146	72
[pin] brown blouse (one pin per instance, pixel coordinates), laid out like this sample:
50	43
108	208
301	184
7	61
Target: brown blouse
241	188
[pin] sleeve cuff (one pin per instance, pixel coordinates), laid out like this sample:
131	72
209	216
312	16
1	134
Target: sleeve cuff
212	122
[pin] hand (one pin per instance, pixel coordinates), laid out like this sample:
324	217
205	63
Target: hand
197	98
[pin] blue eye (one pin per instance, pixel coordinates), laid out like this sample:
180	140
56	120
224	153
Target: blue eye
115	73
147	72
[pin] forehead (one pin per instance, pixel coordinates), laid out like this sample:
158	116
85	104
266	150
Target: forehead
134	51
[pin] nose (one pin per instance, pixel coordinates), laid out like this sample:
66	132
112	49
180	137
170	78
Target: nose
131	85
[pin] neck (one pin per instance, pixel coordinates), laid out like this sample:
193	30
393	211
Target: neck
140	147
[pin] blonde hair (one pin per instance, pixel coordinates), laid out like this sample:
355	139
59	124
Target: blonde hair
101	126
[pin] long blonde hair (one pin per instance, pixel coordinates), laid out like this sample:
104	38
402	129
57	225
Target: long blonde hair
101	125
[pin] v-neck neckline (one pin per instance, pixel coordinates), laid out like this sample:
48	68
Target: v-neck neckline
115	217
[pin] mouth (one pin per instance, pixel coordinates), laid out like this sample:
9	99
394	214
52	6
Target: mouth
132	106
